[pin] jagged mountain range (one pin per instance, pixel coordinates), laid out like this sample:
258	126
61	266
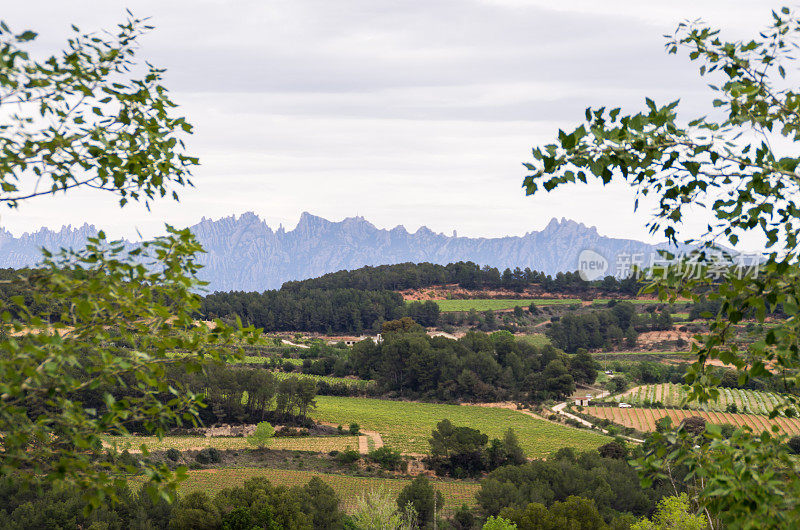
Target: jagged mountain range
244	253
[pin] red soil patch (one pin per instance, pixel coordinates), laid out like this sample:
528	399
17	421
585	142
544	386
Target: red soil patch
453	290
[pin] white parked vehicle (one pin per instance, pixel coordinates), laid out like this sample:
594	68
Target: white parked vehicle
624	406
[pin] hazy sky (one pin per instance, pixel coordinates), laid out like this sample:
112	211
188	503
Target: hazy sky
413	112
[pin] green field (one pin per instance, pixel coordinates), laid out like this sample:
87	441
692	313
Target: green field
349	488
317	444
535	339
407	425
635	353
672	396
485	304
599	301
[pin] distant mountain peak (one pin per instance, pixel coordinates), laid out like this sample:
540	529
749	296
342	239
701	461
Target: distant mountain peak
243	253
567	224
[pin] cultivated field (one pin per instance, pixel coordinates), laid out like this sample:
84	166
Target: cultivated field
349	488
258	359
640	301
317	444
601	355
485	304
358	383
644	419
406	426
672	395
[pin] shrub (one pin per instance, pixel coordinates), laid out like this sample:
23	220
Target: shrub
463	519
355	428
694	424
291	432
173	454
727	430
288	366
348	456
386	457
613	450
262	435
498	523
794	444
209	455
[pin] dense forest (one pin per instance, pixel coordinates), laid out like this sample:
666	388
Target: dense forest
477	366
606	328
316	310
466	274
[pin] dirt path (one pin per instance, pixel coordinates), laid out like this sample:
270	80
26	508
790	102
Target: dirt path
559	409
363	441
290	343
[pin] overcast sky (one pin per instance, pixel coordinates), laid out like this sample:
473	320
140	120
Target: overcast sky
412	112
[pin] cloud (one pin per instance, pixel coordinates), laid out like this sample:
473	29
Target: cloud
407	112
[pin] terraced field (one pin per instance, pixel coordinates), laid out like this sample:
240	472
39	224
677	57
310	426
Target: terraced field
406	426
317	444
672	395
349	488
485	304
644	419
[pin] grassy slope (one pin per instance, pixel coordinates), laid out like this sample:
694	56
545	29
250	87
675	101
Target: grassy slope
483	304
407	426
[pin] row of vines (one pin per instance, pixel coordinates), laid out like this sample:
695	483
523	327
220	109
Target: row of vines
644	419
672	395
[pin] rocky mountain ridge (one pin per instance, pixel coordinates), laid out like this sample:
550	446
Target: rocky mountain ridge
243	253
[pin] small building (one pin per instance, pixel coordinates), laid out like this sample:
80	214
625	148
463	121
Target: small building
583	401
350	341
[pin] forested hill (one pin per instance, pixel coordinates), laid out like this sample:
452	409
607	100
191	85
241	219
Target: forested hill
244	254
467	275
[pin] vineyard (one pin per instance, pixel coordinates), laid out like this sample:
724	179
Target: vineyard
644	419
349	488
361	384
601	355
638	301
672	395
406	426
317	444
260	359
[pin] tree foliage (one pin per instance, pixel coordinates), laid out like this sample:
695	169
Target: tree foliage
730	166
465	274
106	316
262	436
477	366
673	512
426	501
